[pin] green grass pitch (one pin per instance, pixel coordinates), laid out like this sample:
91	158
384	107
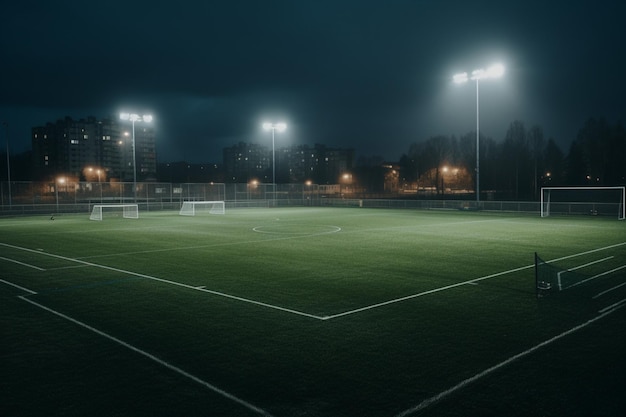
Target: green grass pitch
287	312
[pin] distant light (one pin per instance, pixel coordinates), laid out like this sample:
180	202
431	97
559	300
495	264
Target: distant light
496	71
280	127
460	78
478	74
135	117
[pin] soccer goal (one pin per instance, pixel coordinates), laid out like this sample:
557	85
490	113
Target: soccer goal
607	201
191	208
128	211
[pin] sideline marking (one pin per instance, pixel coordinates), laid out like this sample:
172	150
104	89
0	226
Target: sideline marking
21	263
179	284
19	287
300	313
153	358
598	275
609	290
559	274
428	402
408	297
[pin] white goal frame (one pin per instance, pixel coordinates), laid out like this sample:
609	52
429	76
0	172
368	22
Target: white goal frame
129	211
546	194
214	207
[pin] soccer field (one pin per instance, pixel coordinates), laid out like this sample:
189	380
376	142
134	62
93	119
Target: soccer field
336	312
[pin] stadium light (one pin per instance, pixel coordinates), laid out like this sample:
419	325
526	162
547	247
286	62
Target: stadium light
495	71
280	127
133	118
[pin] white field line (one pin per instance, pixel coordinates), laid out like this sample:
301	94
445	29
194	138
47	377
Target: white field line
428	402
608	291
21	263
588	252
558	275
161	362
221	244
18	287
598	275
447	287
612	307
166	281
300	313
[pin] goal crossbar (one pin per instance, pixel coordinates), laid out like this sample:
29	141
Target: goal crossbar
129	211
546	198
191	208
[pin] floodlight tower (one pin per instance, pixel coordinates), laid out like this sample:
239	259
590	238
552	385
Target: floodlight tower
280	127
135	118
495	71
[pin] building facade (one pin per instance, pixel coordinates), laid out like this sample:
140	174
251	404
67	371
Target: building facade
93	150
296	164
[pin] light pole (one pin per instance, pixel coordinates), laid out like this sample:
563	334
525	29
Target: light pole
135	118
6	133
58	181
495	71
274	127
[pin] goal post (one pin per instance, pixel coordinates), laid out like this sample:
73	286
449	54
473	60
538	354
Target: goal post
608	201
191	208
128	211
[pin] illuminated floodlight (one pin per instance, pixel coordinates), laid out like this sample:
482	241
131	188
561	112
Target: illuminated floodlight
280	127
460	78
494	71
133	117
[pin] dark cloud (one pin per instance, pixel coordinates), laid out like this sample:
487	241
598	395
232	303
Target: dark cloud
369	74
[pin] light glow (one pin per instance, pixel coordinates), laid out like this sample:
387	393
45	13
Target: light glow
460	78
280	127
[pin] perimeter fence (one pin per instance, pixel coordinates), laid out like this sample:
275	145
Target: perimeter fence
19	198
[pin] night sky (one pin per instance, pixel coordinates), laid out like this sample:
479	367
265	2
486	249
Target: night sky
374	75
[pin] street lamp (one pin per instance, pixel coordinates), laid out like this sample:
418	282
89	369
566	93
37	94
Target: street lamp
495	71
280	127
99	183
60	180
6	131
135	118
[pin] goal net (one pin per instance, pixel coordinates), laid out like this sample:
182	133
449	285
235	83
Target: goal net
596	201
128	211
191	208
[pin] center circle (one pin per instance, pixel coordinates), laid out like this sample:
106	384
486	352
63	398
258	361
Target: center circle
294	229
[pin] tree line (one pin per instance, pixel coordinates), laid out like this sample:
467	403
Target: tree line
518	166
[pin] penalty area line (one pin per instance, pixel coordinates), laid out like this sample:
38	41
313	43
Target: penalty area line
153	358
430	401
